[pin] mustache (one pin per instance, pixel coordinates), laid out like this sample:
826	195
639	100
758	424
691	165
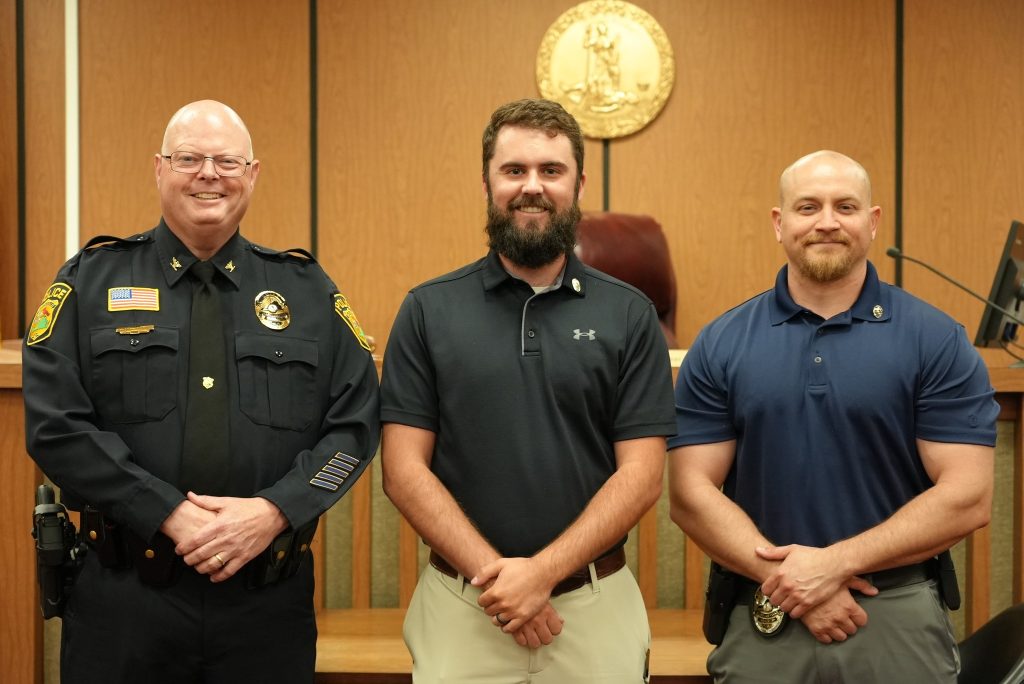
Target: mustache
813	239
531	202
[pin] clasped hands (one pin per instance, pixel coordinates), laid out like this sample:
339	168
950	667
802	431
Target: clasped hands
809	584
519	590
218	535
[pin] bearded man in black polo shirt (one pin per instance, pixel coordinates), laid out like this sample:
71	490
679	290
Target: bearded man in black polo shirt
526	400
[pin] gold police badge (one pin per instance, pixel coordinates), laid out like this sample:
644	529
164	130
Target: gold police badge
46	315
272	310
768	620
609	64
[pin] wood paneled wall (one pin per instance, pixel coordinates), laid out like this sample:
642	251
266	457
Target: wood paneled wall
404	89
8	170
964	145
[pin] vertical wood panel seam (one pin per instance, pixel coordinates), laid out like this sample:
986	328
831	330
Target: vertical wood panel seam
19	67
314	225
898	153
72	131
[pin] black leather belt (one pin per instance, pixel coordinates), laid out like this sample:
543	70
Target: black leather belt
882	580
604	566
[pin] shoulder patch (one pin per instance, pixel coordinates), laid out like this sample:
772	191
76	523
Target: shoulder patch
342	308
46	314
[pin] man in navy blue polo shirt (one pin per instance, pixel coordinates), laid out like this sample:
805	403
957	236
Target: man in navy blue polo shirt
834	437
526	400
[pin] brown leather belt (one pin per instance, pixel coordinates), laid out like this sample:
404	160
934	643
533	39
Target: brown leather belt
603	567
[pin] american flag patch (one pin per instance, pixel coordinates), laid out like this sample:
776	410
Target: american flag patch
133	299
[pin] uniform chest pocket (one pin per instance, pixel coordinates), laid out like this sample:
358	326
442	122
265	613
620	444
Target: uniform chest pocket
134	377
277	379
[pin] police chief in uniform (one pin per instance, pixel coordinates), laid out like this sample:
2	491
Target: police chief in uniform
203	400
852	427
525	399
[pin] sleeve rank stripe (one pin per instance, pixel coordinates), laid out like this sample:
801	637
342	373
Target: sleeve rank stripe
346	457
341	464
337	471
329	477
323	484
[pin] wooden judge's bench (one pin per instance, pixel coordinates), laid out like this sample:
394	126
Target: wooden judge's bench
363	644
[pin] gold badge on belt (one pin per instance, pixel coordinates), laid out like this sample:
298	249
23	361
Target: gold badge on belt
272	310
767	619
609	64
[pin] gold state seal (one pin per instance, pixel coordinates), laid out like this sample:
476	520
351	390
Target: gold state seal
609	64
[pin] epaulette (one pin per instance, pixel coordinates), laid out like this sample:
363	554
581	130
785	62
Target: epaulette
283	253
98	242
109	240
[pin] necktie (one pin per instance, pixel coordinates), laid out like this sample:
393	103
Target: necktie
206	457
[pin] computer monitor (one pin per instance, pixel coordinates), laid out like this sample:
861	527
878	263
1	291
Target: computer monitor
996	329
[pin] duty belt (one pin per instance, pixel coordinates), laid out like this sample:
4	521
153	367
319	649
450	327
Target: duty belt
117	547
604	566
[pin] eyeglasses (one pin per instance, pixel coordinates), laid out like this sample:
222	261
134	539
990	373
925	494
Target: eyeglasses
228	165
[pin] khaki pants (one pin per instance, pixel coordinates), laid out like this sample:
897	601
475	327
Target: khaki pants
605	638
908	640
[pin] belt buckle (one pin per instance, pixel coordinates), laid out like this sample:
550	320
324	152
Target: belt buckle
767	619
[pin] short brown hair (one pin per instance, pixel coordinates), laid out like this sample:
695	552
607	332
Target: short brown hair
545	115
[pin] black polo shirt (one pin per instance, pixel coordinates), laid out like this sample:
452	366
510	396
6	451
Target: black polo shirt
106	361
527	393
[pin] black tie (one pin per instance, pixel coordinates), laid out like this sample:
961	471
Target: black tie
206	457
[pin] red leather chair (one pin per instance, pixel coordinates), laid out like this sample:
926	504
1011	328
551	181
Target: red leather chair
633	249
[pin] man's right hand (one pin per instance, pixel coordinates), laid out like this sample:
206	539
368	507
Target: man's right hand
836	618
185	520
540	630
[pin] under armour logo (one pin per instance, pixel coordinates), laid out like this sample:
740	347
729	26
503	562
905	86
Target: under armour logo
576	334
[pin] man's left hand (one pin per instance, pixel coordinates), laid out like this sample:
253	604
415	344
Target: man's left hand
519	591
242	528
805	577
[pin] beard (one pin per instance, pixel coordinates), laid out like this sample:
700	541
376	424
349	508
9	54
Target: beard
828	267
531	246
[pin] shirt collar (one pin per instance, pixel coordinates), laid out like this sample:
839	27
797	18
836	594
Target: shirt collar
573	277
176	259
872	304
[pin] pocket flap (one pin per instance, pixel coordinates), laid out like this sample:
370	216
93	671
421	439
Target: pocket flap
275	348
108	339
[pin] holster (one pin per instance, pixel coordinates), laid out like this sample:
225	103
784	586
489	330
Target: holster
283	558
948	588
718	603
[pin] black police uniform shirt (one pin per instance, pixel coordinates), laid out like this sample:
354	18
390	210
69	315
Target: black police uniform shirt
527	392
105	363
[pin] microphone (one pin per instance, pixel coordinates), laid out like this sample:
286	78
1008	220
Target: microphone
897	253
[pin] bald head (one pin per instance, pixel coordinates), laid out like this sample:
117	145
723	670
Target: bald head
822	162
202	206
208	114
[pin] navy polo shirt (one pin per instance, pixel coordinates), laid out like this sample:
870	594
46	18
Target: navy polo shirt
527	392
825	414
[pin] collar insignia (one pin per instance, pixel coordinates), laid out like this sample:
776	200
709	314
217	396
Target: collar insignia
878	311
175	264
